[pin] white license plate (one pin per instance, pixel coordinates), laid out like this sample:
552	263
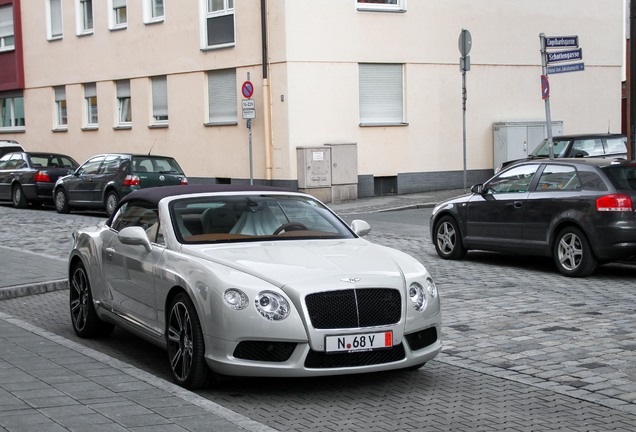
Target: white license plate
359	342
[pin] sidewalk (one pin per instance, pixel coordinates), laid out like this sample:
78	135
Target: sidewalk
50	383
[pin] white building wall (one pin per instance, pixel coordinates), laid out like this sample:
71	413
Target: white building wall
315	48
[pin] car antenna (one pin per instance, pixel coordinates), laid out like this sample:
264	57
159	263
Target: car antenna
152	146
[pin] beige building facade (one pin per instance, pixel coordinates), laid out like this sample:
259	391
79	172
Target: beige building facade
382	77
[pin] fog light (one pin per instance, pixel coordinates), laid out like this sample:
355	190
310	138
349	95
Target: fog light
272	306
235	299
417	296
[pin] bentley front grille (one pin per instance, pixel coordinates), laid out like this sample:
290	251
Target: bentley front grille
354	308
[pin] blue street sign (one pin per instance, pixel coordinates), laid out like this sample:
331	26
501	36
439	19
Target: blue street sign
562	42
559	56
574	67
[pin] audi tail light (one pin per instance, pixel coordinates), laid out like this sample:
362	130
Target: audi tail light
613	203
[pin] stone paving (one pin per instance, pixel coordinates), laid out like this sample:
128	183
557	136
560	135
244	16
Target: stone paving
525	348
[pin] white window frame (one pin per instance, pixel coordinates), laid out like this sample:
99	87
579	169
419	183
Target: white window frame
61	108
208	14
54	21
7	29
222	100
84	13
91	118
381	94
117	14
16	124
124	103
159	91
398	6
151	11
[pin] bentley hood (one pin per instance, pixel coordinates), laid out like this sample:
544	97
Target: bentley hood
311	264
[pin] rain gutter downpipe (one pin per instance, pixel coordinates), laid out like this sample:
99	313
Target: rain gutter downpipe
267	108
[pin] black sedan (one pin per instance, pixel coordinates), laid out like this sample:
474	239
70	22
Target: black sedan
29	177
580	212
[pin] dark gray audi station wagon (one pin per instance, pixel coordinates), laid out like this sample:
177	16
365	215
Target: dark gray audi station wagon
580	212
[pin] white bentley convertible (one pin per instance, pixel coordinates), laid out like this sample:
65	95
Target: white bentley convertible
251	281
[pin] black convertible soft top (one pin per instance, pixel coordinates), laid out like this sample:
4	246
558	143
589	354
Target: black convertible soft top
156	194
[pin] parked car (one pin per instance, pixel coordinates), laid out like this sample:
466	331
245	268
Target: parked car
9	146
578	211
577	146
105	179
28	177
251	281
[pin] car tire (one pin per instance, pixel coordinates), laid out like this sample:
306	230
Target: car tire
85	321
186	347
447	239
18	198
110	203
573	254
61	201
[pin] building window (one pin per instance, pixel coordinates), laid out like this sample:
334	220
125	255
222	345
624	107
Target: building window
90	106
382	5
12	111
118	15
159	100
54	26
381	94
7	37
61	117
222	96
153	11
124	115
218	24
84	16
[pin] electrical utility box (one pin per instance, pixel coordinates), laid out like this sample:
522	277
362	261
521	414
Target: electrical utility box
344	171
515	140
314	171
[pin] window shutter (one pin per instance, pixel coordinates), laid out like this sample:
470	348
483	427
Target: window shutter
90	90
119	4
159	96
222	95
123	88
381	93
6	21
56	18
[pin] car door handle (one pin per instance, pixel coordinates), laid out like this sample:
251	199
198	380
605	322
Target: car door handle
518	204
110	252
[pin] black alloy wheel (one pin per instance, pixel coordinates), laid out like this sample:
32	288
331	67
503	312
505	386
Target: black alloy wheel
85	321
186	347
447	239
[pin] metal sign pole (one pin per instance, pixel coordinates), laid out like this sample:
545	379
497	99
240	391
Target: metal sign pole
464	97
249	134
548	115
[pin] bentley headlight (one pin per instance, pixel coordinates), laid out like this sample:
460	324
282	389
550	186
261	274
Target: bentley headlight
235	299
431	287
272	306
417	296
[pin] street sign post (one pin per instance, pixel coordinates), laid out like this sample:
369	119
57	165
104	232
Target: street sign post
551	43
249	113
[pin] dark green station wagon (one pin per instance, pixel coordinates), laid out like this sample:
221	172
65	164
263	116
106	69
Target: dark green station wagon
101	181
